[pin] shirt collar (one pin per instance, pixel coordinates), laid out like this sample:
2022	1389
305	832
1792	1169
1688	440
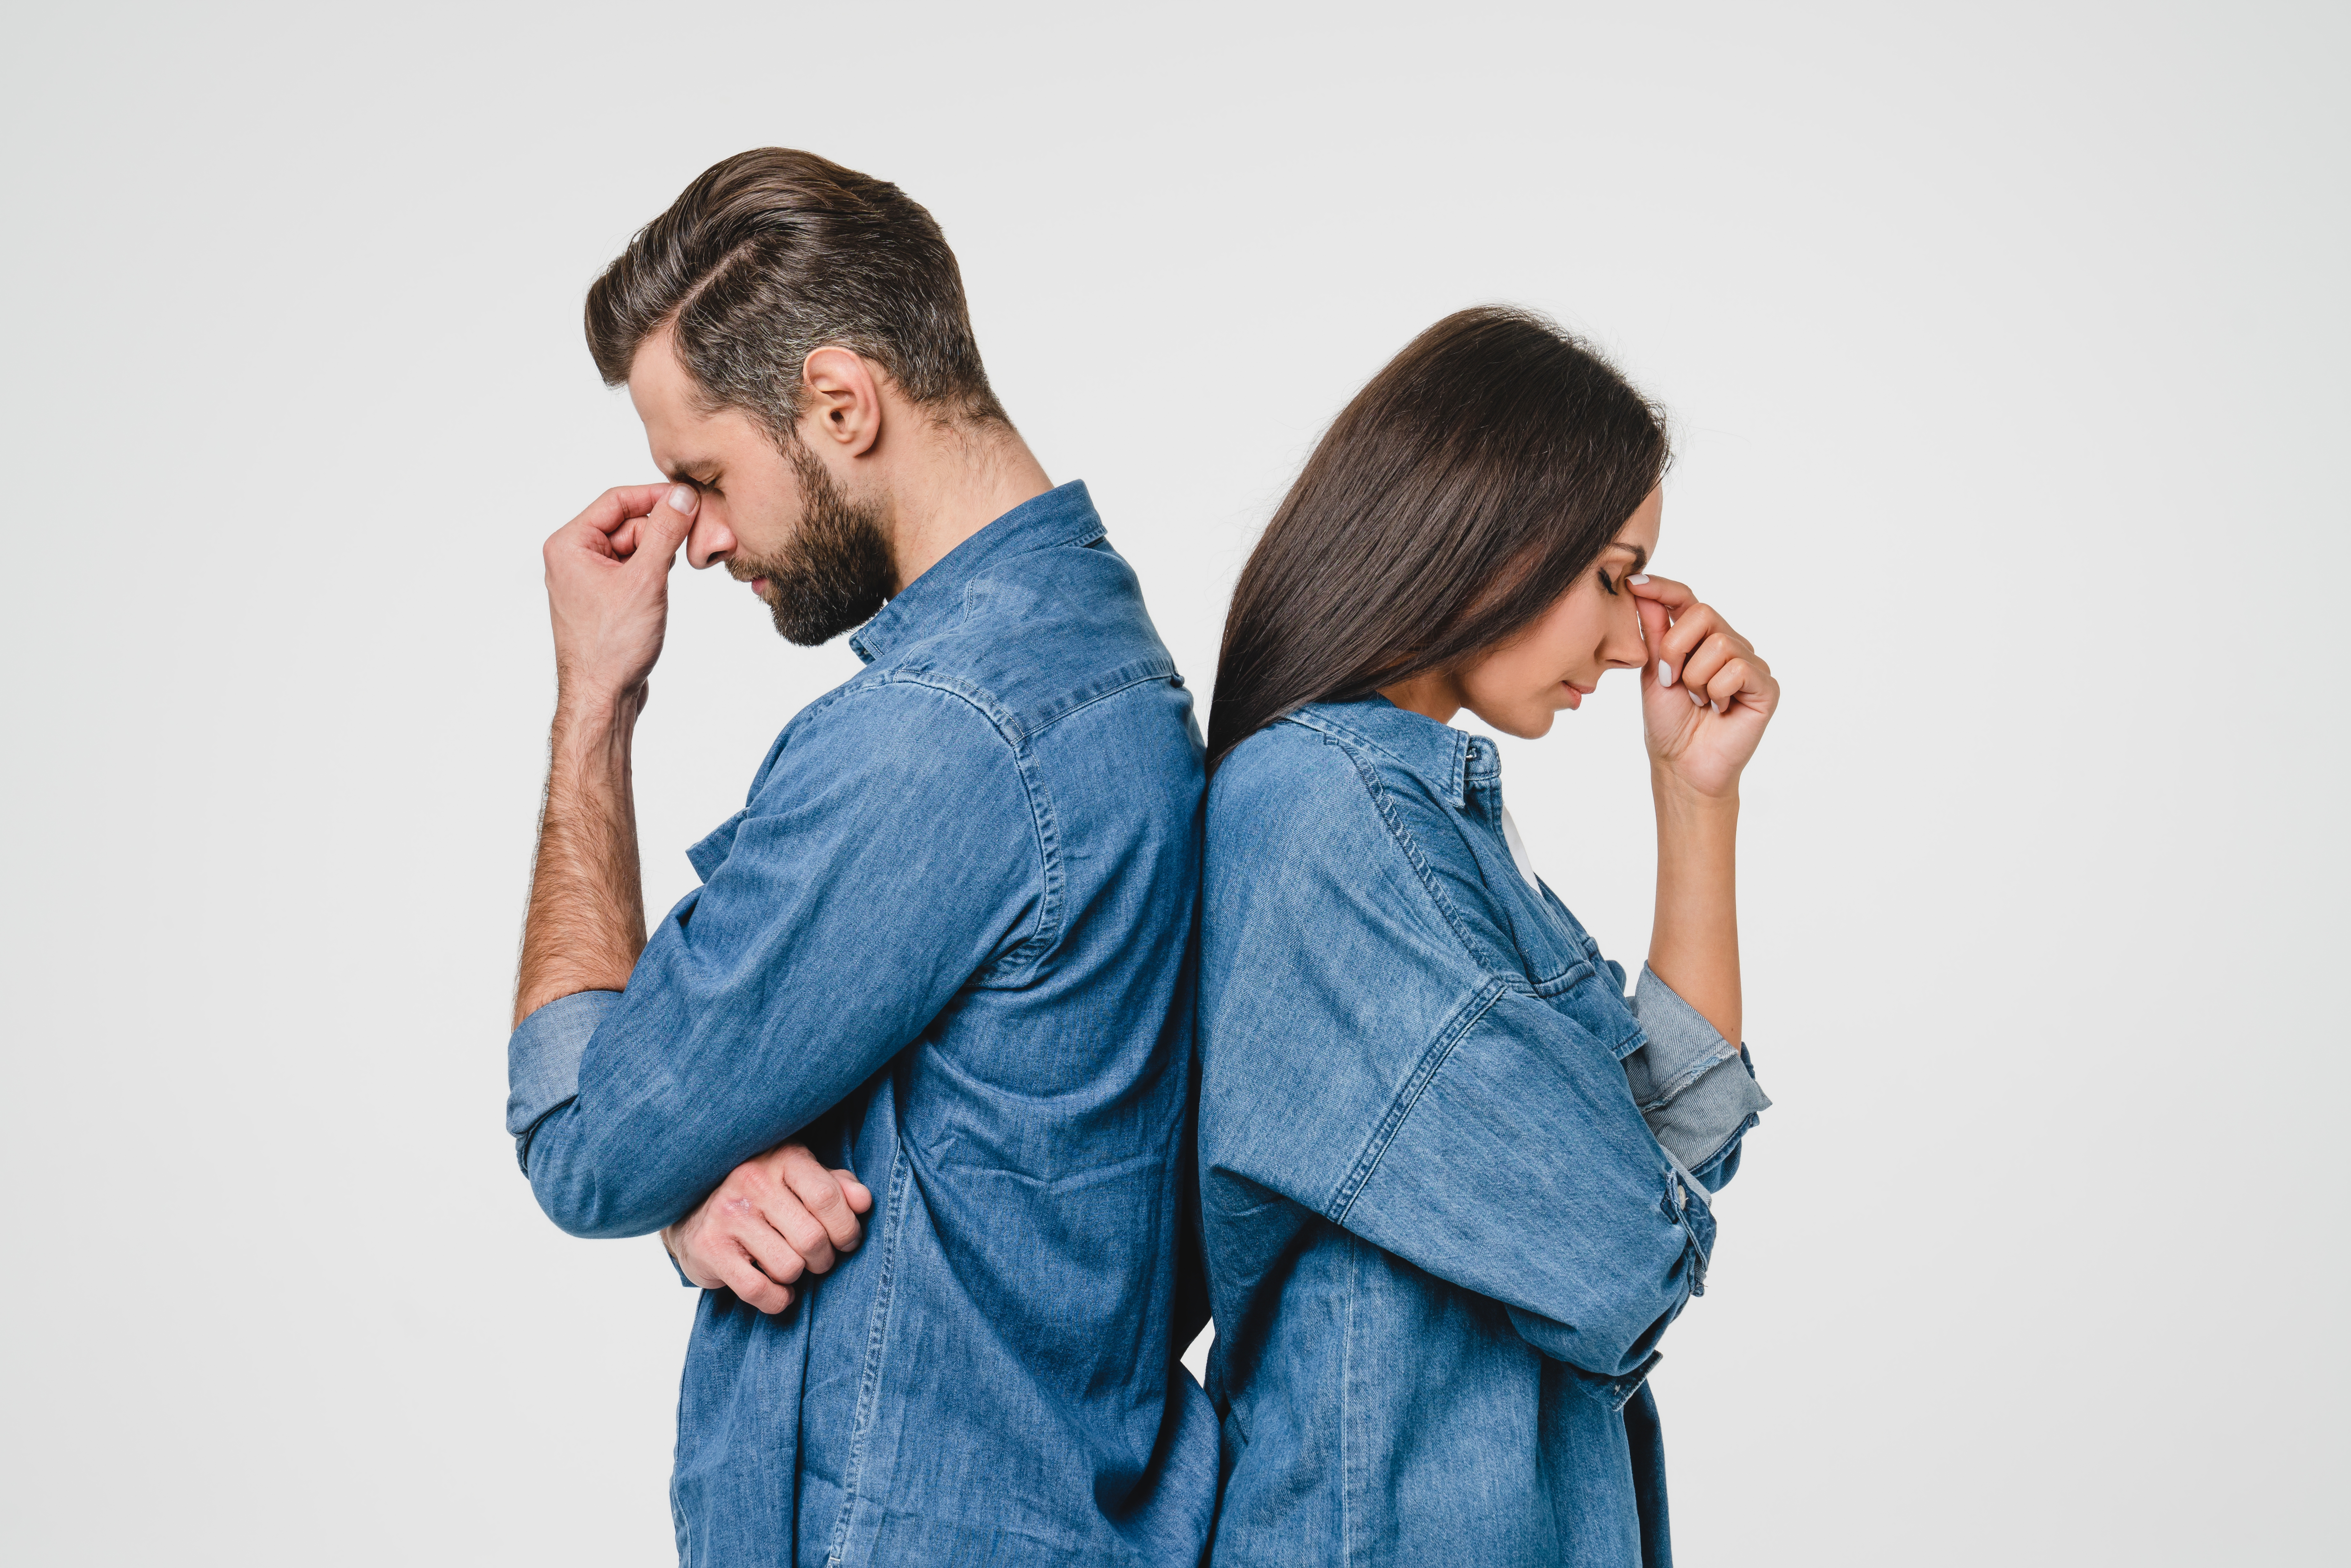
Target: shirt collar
1450	762
1062	516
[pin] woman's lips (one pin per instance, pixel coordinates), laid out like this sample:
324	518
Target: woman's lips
1576	693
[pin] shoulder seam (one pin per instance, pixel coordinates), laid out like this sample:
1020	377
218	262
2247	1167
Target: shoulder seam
1150	670
1042	818
1424	1072
1410	848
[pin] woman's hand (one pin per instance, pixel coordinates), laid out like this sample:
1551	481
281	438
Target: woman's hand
1705	695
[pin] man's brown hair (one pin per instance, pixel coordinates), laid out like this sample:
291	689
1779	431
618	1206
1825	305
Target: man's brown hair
774	253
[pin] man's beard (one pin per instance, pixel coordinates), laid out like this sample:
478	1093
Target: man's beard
835	572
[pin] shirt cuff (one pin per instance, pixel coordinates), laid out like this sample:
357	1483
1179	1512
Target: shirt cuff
1695	1088
543	1062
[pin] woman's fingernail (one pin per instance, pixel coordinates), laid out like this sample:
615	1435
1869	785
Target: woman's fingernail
681	500
1640	576
1698	698
1665	674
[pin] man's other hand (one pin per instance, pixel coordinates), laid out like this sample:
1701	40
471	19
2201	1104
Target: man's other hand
772	1219
608	589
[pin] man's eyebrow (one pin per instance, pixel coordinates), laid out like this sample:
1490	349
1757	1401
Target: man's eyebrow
685	470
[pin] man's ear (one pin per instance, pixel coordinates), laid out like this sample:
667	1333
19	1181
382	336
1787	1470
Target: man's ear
840	396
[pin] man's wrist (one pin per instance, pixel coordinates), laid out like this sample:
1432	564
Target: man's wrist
589	721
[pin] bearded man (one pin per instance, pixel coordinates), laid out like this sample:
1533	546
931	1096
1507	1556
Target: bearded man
936	972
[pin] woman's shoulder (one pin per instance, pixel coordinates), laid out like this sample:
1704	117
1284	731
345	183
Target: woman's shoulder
1334	760
1305	793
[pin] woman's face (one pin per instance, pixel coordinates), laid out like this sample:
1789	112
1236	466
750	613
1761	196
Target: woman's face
1557	662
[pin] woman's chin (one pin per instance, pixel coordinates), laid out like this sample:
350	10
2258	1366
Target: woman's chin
1530	722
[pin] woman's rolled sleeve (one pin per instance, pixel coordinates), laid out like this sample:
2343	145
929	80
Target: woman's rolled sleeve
1696	1090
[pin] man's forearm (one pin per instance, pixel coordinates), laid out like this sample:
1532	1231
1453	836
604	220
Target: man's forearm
1694	942
587	920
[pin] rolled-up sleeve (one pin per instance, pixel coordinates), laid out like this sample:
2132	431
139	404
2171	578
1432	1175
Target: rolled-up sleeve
1519	1170
543	1062
1696	1090
889	854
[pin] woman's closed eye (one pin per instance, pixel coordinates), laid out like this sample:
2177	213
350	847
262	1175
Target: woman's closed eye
1606	583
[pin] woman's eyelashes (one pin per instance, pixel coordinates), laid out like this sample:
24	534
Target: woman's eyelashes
1606	584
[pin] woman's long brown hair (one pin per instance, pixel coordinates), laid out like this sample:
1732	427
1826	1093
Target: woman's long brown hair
1449	505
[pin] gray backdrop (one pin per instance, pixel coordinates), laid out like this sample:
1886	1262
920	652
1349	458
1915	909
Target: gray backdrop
2005	345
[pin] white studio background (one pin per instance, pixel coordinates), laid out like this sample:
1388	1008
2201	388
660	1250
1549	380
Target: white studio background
2006	346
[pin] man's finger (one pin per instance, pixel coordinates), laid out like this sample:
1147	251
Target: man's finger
860	1196
661	530
774	1253
820	1192
754	1289
673	1242
618	505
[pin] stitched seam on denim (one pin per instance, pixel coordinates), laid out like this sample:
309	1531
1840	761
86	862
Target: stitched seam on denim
1032	947
1347	737
1346	1388
1740	1131
1423	1073
871	679
1410	846
1032	950
1146	672
1689	1076
877	1333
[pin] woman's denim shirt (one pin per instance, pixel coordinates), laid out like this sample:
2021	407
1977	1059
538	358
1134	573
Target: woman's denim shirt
1453	1181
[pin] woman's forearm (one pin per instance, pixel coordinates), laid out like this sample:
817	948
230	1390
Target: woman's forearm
1694	944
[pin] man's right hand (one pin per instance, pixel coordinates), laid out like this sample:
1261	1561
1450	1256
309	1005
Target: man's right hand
608	588
773	1219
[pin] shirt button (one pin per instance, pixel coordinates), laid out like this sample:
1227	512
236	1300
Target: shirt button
1681	1192
1175	680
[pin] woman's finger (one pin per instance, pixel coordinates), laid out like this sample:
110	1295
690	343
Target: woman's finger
1692	627
1709	654
1663	590
1739	680
1654	624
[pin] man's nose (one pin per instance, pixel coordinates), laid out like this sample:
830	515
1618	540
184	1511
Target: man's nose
708	542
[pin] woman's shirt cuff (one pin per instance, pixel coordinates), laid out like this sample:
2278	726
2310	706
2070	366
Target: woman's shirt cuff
1696	1090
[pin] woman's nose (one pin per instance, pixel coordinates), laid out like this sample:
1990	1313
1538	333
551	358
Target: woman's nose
1623	647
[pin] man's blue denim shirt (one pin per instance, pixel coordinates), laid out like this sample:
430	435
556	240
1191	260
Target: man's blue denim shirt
1453	1183
946	943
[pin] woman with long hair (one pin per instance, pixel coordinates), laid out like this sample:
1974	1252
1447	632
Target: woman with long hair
1455	1181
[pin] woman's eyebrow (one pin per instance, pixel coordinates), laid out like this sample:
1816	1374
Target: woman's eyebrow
1640	556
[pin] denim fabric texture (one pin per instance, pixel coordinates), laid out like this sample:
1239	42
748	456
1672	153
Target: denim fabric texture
1455	1183
947	943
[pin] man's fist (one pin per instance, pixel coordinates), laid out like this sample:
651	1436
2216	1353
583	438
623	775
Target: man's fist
608	588
773	1219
